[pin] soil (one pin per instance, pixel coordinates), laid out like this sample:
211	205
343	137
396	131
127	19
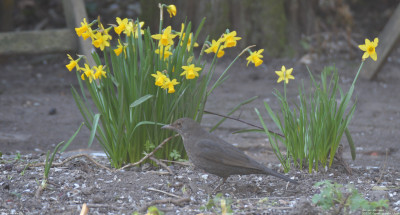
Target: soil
37	111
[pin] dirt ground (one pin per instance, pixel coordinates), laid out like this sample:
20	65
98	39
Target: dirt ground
37	111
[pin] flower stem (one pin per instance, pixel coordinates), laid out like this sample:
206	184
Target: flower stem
161	17
284	89
223	74
358	72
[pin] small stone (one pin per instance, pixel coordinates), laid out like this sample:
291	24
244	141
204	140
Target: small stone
52	111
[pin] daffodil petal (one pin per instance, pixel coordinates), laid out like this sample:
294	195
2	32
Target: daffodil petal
376	40
374	56
363	47
365	55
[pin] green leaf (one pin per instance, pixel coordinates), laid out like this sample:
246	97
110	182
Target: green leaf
248	130
140	100
94	128
351	144
71	139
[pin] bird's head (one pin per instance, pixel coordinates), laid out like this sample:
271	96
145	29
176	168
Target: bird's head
182	126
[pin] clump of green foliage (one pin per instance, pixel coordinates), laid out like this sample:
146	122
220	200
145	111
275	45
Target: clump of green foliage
346	199
218	205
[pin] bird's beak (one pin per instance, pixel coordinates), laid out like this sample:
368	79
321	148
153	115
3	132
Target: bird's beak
167	127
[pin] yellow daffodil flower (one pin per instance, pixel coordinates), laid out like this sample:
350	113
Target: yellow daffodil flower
160	78
121	25
88	33
137	29
182	36
190	71
129	29
101	40
189	42
165	38
99	72
255	57
168	84
164	51
214	47
120	48
88	73
182	29
171	10
230	39
84	27
369	48
72	63
285	75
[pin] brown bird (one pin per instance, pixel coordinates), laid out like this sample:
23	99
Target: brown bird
216	156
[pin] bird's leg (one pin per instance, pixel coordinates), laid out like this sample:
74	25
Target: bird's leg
223	181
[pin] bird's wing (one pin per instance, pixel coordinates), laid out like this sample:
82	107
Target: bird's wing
224	153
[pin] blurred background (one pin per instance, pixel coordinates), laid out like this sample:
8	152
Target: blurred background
288	28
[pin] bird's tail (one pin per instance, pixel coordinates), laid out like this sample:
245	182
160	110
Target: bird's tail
271	172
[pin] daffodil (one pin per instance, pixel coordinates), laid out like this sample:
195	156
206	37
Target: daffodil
122	24
129	29
160	78
87	34
84	27
72	63
120	48
255	57
101	40
165	38
168	84
88	72
214	48
182	36
230	39
189	42
285	75
171	10
99	72
369	48
164	51
137	29
190	71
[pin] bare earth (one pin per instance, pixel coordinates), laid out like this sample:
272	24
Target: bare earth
37	111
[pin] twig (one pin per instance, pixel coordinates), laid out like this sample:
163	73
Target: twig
148	155
177	162
162	164
71	158
247	123
158	172
383	169
161	191
342	204
178	202
104	167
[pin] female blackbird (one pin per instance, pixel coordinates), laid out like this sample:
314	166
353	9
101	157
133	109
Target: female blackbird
216	156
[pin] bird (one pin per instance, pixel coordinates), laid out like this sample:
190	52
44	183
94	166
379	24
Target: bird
216	156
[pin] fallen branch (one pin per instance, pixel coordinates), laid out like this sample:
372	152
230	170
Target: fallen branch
162	164
184	163
166	193
148	155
